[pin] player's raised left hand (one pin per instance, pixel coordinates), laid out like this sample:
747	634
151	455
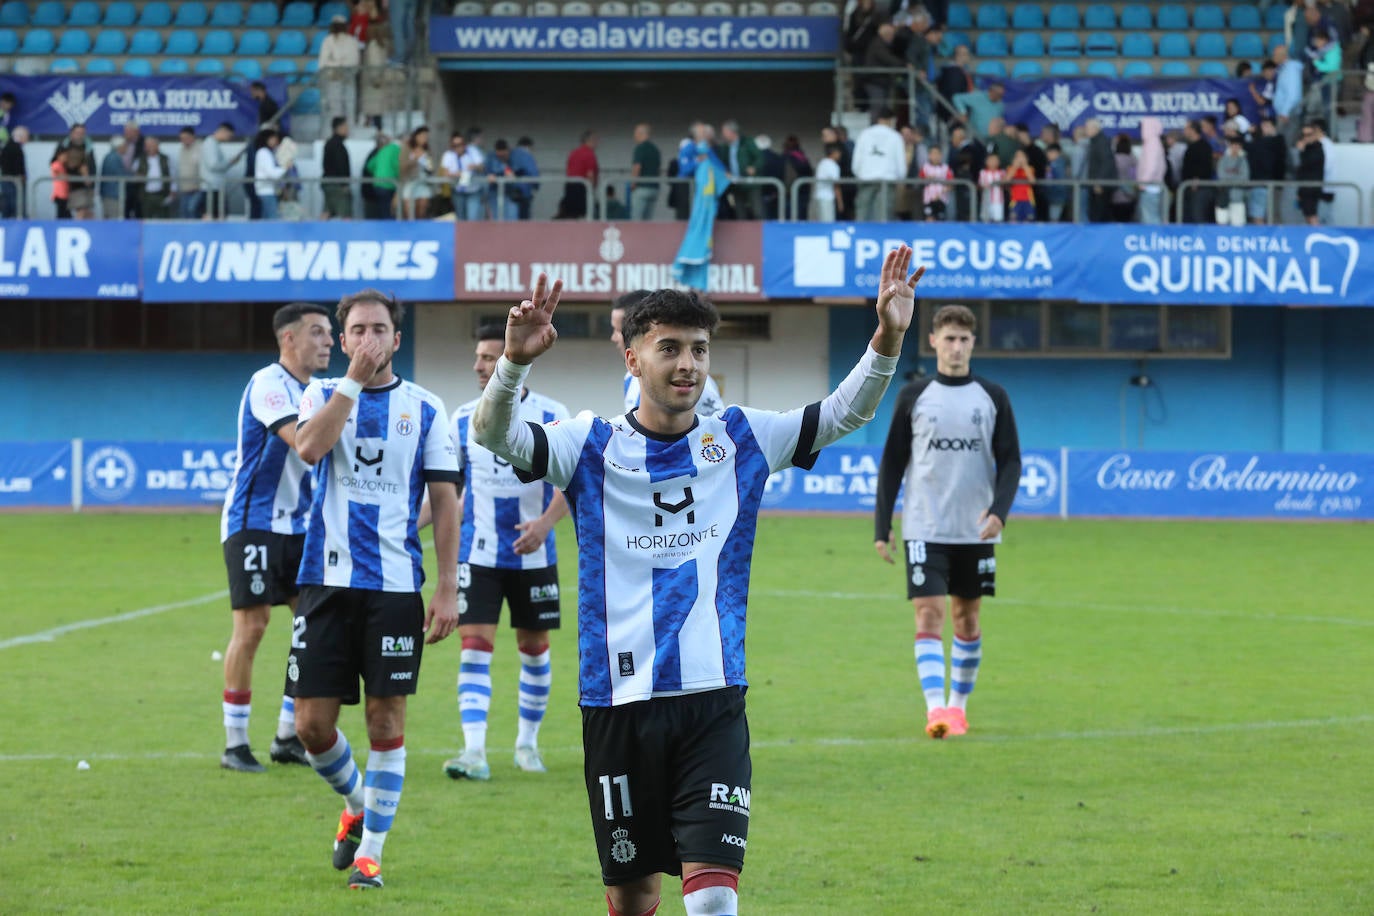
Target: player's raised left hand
529	327
441	618
896	301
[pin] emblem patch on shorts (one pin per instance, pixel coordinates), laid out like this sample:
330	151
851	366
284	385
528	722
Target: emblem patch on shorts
622	850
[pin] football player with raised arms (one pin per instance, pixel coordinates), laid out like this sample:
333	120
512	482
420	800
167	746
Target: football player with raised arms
665	503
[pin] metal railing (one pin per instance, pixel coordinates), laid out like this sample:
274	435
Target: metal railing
494	189
14	202
1275	212
663	210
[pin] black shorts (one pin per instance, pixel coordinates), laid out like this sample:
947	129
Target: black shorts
341	634
531	593
962	570
668	782
262	567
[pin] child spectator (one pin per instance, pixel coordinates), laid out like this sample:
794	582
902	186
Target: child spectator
1233	166
1057	170
1022	180
990	179
936	197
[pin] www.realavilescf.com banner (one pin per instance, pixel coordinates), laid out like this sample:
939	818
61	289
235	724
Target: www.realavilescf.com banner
707	37
1120	104
1193	265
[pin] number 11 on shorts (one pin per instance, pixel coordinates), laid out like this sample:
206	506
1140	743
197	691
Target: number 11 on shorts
622	782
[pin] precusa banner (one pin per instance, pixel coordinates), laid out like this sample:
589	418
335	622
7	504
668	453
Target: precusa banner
68	260
159	105
1119	104
1193	265
282	261
34	474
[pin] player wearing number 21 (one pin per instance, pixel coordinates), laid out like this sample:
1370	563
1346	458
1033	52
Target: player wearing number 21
665	503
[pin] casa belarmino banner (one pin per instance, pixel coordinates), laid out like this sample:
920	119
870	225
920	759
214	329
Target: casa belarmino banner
1116	264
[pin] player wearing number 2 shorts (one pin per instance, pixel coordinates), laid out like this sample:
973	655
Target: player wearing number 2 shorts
953	451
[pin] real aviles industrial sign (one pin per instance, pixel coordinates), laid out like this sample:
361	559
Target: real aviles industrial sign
1113	264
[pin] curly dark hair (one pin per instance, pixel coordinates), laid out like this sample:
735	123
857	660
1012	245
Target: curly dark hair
677	307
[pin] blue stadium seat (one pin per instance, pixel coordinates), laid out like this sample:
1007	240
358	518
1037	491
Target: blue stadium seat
312	66
84	13
318	40
951	41
1027	69
37	41
182	42
217	43
136	66
992	69
1137	69
1063	16
1099	16
1245	18
64	65
1273	17
1102	68
290	43
1064	44
49	13
173	66
145	43
1027	16
990	44
1065	68
254	43
1208	16
1275	41
226	14
959	17
73	42
1171	17
100	66
247	68
9	41
209	66
1137	45
192	14
308	102
1174	45
283	67
261	15
1137	17
1247	45
298	15
110	43
155	15
1027	44
1213	68
1210	44
328	11
1175	68
992	16
120	15
14	12
1100	44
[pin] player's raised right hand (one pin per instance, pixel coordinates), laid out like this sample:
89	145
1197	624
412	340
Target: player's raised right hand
529	328
368	357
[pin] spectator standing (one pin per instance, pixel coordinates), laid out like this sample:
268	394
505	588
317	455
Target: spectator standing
14	173
402	14
1057	170
1230	206
1328	169
111	189
340	57
158	190
1150	171
376	79
772	167
966	157
1262	88
416	169
1022	180
742	159
978	107
267	106
7	116
451	167
1235	119
72	193
501	201
61	187
190	196
795	165
914	151
859	30
384	167
1325	59
1101	166
1198	166
646	162
214	168
1124	195
829	200
848	191
879	162
955	78
1311	168
1002	138
581	164
470	193
1268	157
1288	93
337	170
360	21
266	172
883	89
990	180
936	195
523	163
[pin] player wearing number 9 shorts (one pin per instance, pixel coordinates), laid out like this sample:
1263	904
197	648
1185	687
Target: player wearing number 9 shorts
953	451
262	526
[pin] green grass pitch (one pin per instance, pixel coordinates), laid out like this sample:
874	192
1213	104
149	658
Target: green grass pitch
1171	718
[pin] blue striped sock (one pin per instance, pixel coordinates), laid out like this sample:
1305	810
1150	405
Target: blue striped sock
338	769
930	668
386	774
474	692
286	718
964	656
536	674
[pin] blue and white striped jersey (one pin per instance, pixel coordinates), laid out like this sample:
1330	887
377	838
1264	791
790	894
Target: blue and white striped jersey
369	487
711	402
270	490
495	500
665	541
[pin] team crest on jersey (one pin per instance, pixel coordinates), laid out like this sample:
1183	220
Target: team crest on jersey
404	426
977	417
276	400
711	451
622	850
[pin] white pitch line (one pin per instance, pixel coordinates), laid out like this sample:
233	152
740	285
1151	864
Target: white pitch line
1161	731
1087	606
50	635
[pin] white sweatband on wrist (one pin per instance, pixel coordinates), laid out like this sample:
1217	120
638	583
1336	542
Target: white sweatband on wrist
510	375
349	388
